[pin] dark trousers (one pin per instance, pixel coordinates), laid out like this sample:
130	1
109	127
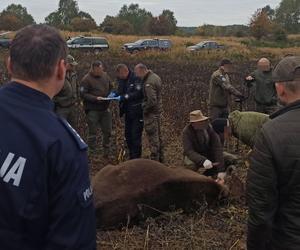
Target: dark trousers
134	126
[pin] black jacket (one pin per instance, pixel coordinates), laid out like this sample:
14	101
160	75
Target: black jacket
131	91
46	200
273	185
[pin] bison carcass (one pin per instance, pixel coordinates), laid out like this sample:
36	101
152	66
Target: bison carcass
142	187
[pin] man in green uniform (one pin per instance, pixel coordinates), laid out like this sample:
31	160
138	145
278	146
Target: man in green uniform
265	93
152	108
66	100
220	91
95	86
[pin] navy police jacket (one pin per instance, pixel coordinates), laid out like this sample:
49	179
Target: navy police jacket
131	91
45	193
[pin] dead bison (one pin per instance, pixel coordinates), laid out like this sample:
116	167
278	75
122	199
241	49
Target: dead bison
143	187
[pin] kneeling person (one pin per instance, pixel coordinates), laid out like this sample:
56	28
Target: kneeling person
203	151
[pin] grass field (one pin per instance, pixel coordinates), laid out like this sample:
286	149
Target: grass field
185	79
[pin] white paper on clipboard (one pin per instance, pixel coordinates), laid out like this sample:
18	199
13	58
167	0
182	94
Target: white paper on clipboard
108	98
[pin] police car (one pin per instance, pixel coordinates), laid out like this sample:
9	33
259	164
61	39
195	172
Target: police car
94	44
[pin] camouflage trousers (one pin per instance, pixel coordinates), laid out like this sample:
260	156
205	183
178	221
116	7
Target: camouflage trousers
70	114
266	109
103	120
152	126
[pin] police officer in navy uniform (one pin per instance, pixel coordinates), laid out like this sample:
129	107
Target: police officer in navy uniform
45	191
130	92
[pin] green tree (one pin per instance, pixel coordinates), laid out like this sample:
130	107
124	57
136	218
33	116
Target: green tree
269	11
137	17
288	15
115	25
165	24
14	17
260	24
68	16
83	24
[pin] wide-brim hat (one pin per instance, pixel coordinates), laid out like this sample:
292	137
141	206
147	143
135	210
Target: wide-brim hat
197	116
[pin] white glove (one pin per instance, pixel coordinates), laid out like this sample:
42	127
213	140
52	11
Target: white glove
221	175
249	78
208	164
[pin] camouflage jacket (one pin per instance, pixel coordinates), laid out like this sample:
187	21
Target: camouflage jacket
152	94
221	89
68	96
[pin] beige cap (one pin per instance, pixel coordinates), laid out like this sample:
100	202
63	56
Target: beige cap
197	116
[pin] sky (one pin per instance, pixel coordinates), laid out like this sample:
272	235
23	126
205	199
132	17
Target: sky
187	12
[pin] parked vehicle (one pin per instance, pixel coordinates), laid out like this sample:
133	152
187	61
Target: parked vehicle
94	44
205	45
5	41
147	44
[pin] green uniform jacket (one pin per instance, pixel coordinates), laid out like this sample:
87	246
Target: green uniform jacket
93	87
200	145
152	94
221	89
265	92
68	96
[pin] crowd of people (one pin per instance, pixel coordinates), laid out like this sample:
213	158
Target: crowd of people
46	195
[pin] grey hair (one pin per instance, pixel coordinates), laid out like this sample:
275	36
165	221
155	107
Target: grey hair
121	66
293	86
141	66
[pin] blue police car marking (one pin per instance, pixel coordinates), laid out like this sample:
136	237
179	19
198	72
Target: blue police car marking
10	171
85	196
80	142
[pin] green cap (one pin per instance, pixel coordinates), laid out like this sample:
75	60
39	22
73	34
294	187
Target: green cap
288	69
71	60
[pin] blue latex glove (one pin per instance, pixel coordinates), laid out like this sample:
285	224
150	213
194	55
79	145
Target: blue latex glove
112	94
118	98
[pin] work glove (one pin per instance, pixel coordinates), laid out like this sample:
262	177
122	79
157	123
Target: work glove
118	98
208	164
221	175
112	94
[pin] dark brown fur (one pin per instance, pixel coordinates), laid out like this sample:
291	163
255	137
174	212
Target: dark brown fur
143	187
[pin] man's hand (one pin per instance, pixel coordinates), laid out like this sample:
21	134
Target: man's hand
221	178
208	164
249	78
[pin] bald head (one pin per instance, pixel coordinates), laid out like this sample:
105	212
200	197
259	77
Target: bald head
264	64
141	70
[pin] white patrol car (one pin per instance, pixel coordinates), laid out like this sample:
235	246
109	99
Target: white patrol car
94	44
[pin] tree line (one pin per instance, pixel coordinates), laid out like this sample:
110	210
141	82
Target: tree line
132	19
